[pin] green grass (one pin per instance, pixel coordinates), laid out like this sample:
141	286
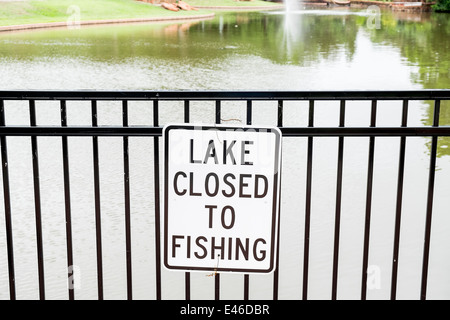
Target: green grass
35	11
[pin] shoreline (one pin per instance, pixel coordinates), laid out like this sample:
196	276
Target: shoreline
60	24
358	3
45	25
256	8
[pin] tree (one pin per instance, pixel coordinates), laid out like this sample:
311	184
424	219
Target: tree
442	6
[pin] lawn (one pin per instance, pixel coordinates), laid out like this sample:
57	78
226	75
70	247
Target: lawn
40	11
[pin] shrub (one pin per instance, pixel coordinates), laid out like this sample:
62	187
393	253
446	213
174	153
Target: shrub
442	6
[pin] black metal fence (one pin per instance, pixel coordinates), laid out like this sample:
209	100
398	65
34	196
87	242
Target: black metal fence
33	130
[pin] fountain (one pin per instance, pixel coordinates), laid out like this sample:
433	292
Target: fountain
292	33
291	5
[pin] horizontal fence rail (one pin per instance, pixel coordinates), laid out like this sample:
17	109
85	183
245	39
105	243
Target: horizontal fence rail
286	131
226	95
310	131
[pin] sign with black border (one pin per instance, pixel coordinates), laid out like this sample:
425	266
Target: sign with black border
221	197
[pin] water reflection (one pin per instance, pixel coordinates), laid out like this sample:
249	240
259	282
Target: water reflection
292	33
424	41
295	37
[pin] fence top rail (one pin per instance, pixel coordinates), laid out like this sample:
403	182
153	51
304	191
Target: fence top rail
426	94
147	131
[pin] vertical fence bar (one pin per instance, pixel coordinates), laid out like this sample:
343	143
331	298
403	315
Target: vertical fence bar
217	286
37	202
280	113
68	217
246	286
426	248
126	170
337	221
398	210
187	275
157	202
98	221
218	112
368	203
187	285
249	112
186	111
217	276
277	265
308	203
246	276
7	202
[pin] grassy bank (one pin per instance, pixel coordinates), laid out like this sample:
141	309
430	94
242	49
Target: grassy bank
44	11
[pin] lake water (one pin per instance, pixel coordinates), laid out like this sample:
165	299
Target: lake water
312	49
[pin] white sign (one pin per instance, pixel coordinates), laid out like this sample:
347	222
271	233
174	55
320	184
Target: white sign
221	197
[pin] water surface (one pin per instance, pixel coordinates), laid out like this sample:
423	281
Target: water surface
306	50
